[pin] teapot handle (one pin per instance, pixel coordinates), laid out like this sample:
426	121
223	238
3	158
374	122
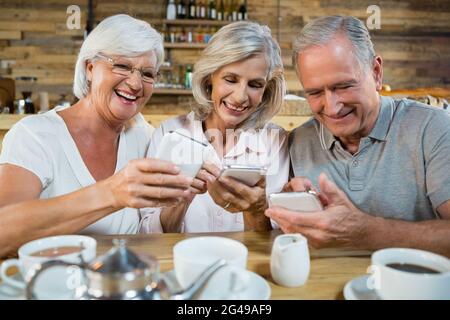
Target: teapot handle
44	266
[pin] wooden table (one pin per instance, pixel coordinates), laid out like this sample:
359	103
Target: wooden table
330	268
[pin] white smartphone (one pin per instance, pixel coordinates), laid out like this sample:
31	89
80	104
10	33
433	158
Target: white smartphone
296	201
186	152
250	175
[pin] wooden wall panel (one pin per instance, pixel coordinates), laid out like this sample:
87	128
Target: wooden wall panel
414	39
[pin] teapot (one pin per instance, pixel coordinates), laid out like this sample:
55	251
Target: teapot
123	275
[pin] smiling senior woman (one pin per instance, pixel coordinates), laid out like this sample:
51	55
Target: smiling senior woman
80	169
238	84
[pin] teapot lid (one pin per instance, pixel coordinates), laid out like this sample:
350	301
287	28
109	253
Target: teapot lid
122	274
119	259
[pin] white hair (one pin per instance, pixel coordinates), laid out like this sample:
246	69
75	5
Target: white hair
320	31
116	35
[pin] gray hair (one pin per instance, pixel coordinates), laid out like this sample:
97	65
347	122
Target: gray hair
324	29
116	35
232	43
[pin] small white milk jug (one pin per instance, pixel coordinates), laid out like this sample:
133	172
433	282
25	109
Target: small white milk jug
289	261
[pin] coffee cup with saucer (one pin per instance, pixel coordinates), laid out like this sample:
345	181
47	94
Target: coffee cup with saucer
69	248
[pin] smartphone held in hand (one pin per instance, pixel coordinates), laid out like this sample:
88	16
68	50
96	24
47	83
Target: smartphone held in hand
296	201
250	175
184	151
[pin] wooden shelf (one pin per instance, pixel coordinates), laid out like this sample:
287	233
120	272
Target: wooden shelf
195	22
184	45
172	91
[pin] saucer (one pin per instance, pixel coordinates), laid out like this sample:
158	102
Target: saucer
356	289
52	291
257	288
8	292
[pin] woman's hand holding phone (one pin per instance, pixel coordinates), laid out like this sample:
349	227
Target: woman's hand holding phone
231	194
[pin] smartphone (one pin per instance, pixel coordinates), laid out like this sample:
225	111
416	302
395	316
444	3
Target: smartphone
184	151
250	175
296	201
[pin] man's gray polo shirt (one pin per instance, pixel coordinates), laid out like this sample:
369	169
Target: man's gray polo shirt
402	169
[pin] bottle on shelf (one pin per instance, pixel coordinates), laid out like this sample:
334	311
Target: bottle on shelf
183	36
171	11
243	10
192	9
201	10
165	33
234	10
175	77
28	105
180	77
221	11
172	37
176	33
228	14
188	77
200	35
207	35
212	12
181	9
190	35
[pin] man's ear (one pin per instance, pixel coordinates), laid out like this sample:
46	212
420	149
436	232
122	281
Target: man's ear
377	69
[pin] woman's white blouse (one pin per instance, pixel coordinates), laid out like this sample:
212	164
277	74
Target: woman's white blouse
43	145
266	147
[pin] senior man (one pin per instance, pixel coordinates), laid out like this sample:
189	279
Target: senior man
382	165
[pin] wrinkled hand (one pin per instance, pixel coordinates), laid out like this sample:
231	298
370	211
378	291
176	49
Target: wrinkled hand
149	183
340	224
206	174
298	184
235	196
303	184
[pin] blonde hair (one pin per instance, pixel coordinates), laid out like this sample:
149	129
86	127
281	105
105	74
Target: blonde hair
235	42
117	35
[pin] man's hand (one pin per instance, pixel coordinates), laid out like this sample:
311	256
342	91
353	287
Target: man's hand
303	184
340	224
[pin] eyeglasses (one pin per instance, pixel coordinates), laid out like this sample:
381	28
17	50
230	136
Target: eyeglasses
148	75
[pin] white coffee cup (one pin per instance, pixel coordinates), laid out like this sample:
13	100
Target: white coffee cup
289	260
192	256
53	285
394	284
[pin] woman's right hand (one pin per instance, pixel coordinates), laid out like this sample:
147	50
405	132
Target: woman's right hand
149	182
206	174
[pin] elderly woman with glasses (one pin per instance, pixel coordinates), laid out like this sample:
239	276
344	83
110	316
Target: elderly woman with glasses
238	85
83	169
